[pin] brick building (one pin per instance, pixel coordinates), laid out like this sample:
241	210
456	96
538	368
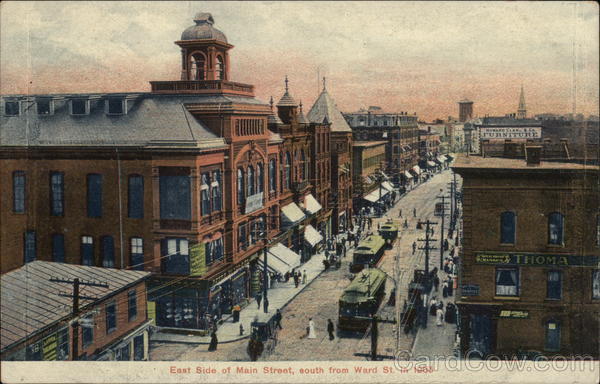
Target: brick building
188	181
529	277
325	112
400	132
37	318
368	158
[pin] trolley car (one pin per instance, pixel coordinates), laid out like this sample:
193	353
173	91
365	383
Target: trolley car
369	251
361	299
389	232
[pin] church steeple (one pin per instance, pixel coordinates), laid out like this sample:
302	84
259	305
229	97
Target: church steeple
522	110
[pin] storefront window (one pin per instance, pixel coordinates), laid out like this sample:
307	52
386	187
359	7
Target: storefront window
507	282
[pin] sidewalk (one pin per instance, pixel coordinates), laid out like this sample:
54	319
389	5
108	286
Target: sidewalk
279	296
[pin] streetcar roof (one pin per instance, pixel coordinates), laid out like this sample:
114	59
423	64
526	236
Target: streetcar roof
359	289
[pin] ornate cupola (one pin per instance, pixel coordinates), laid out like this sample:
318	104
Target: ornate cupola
287	108
204	51
301	118
273	119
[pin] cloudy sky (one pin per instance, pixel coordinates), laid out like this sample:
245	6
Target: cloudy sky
403	56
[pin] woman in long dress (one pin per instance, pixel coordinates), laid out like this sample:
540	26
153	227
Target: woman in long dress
311	329
440	316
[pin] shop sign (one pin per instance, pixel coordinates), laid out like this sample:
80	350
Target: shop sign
197	259
509	314
254	203
534	259
49	345
511	133
470	290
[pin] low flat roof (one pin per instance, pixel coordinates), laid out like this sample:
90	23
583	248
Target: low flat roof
478	162
367	143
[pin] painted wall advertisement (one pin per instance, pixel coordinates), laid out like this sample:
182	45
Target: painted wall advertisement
510	133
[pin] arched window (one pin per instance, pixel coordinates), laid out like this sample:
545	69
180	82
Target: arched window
288	170
282	172
251	182
507	227
220	69
302	165
556	228
260	178
272	175
205	194
240	186
197	67
216	190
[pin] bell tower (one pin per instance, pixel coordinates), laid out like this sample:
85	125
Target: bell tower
204	51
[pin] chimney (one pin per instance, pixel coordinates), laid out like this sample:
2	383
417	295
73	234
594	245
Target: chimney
533	154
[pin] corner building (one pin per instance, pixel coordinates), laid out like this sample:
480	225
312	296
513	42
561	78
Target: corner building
529	278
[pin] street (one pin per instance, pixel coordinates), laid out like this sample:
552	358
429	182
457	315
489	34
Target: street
319	300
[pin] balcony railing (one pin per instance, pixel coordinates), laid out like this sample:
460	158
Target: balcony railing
204	86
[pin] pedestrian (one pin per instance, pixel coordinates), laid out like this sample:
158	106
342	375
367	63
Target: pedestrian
414	212
266	305
400	213
236	313
311	329
330	329
258	299
440	317
304	277
213	342
450	286
296	279
445	289
241	330
286	276
436	282
278	318
405	223
414	247
432	306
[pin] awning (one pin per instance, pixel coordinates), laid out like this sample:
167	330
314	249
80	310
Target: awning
416	169
311	235
311	204
408	175
430	164
442	158
376	195
292	214
387	185
281	259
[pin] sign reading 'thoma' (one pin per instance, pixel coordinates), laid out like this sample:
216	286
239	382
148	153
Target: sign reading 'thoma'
510	132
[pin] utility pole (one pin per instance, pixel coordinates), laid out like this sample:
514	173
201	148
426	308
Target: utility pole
375	320
441	214
76	296
427	247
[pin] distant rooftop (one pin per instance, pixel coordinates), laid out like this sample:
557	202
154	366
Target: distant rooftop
498	163
367	143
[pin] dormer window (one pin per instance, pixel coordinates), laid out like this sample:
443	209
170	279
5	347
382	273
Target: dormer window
45	106
115	106
80	107
11	108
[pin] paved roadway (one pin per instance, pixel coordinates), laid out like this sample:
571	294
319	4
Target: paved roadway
319	300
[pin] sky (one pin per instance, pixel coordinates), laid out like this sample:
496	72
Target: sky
418	57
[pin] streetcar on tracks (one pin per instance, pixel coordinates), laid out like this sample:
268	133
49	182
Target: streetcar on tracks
368	252
389	232
361	299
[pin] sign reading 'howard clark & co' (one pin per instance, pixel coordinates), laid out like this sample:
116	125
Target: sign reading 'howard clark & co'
535	259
